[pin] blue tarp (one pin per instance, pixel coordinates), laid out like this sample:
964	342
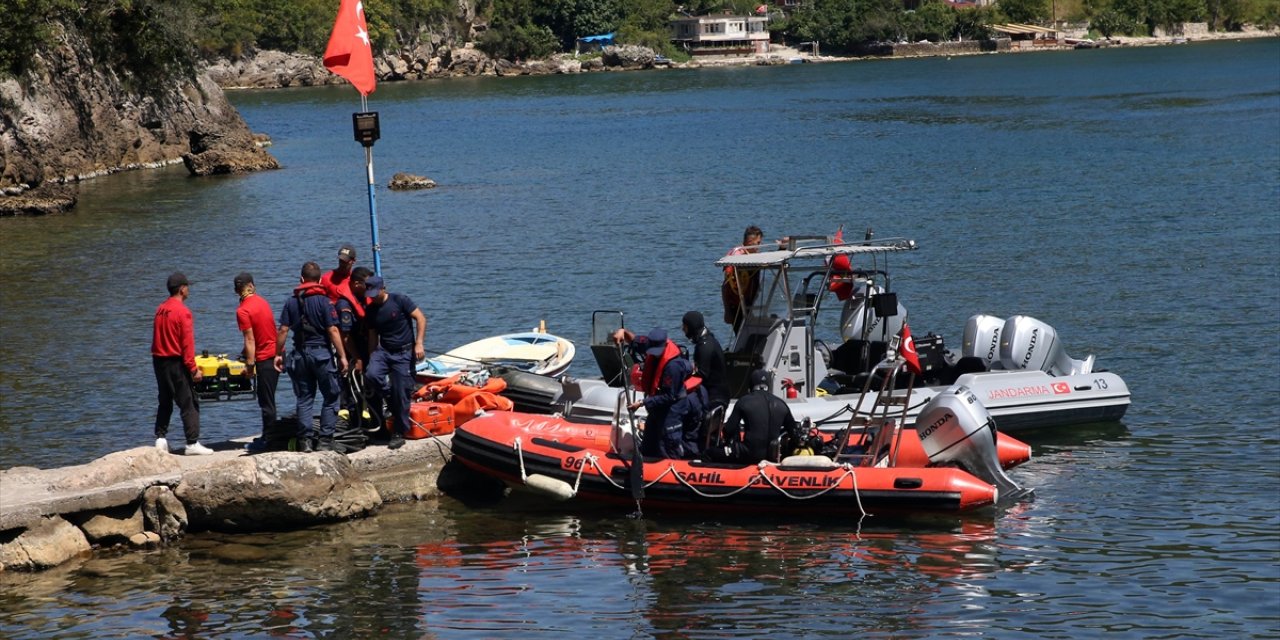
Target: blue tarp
606	38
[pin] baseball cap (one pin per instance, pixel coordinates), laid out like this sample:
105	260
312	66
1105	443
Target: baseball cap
347	253
373	286
657	341
244	278
176	280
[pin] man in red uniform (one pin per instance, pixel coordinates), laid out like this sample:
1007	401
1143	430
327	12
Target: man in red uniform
258	324
173	357
337	282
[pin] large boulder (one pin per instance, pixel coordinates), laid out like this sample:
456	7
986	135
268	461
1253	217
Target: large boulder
163	513
628	56
217	151
402	181
48	542
275	491
110	526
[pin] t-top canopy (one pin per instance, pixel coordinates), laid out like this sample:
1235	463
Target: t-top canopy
784	256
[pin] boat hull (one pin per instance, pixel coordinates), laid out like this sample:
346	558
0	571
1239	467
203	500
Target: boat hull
1020	401
515	447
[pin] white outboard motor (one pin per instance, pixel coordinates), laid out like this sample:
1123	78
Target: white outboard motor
858	320
1027	343
982	338
955	427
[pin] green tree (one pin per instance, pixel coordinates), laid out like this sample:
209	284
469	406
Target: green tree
935	21
1024	11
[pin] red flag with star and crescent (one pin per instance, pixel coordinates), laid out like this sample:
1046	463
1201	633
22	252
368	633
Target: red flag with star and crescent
349	54
907	349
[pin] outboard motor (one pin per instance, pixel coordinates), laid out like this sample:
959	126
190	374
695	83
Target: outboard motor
956	428
1027	343
860	319
982	338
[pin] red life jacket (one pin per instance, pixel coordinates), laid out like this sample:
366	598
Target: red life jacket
336	289
309	289
653	366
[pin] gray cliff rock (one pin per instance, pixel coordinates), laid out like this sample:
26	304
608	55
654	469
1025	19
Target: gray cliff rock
71	118
283	489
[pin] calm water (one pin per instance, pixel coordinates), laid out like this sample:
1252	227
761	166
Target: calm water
1131	198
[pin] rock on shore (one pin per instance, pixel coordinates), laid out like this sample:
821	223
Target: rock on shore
70	118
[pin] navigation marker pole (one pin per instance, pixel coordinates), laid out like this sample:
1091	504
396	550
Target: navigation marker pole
365	125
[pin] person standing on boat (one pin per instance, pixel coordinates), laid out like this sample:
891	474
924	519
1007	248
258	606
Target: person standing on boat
673	398
312	318
258	325
740	286
708	359
173	358
756	423
396	331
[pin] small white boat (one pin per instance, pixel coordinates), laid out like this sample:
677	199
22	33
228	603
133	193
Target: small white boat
532	351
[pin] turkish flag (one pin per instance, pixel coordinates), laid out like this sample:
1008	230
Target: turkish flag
349	54
907	349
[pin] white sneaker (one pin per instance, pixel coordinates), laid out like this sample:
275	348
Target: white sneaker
162	444
197	449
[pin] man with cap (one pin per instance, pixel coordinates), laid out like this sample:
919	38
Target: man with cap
314	323
396	331
173	358
338	286
257	324
757	421
337	281
673	399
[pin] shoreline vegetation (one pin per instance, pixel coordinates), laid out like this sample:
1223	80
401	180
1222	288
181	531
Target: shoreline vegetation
110	86
276	69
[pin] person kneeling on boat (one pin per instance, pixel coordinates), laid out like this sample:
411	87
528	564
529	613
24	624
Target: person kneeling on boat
755	426
674	398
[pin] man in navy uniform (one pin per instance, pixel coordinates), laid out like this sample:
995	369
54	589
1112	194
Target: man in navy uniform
312	318
396	330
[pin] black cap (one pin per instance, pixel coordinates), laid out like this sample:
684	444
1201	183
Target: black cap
759	378
347	253
243	279
176	280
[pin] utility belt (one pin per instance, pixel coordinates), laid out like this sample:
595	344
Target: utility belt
399	349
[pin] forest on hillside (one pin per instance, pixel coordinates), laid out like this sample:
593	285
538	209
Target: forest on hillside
151	40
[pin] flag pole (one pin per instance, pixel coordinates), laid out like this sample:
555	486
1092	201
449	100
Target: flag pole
350	55
365	125
373	201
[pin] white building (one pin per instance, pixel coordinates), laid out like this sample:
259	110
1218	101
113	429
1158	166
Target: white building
721	35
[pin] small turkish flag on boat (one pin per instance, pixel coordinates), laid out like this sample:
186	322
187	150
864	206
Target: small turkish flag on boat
349	53
907	349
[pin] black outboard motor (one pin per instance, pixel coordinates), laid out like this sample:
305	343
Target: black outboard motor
956	428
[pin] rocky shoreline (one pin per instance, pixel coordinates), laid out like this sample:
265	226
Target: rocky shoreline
143	497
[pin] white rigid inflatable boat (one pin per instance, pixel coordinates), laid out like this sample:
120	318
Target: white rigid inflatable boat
1016	366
